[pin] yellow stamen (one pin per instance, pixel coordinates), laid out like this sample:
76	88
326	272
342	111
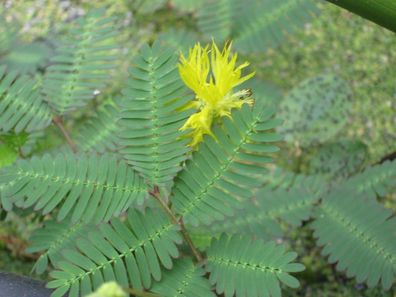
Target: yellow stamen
212	79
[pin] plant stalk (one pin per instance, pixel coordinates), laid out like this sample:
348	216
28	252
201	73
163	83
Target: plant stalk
57	120
382	12
175	220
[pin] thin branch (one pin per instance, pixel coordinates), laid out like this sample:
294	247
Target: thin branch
175	220
57	120
140	293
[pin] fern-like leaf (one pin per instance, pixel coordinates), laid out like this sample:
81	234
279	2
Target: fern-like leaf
180	40
263	24
21	106
221	172
87	187
253	25
263	216
99	132
245	268
215	18
83	63
128	252
185	279
150	116
52	238
5	202
375	180
359	234
27	57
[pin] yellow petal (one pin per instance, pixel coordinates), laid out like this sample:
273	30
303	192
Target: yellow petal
214	92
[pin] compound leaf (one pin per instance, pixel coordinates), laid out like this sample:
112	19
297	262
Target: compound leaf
245	268
151	116
222	172
87	187
129	252
83	64
359	234
21	106
185	279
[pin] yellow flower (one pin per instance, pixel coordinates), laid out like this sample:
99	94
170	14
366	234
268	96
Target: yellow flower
212	75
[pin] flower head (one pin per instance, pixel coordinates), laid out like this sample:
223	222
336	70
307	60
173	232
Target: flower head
212	75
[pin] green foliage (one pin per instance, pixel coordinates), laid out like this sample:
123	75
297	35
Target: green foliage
83	63
264	24
147	7
98	133
263	216
359	234
178	39
245	268
361	53
219	175
215	18
151	116
253	25
375	180
185	279
264	91
87	187
317	108
21	106
7	155
186	5
338	159
52	238
130	252
129	153
27	57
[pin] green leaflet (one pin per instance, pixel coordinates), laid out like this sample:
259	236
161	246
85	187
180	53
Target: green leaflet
151	115
185	279
21	106
245	268
5	202
27	57
260	25
186	5
222	172
375	180
359	234
147	7
215	18
87	187
99	132
83	64
262	217
52	238
338	159
179	39
254	26
7	155
129	252
315	110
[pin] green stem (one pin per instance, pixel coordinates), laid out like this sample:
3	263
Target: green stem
382	12
175	220
57	120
